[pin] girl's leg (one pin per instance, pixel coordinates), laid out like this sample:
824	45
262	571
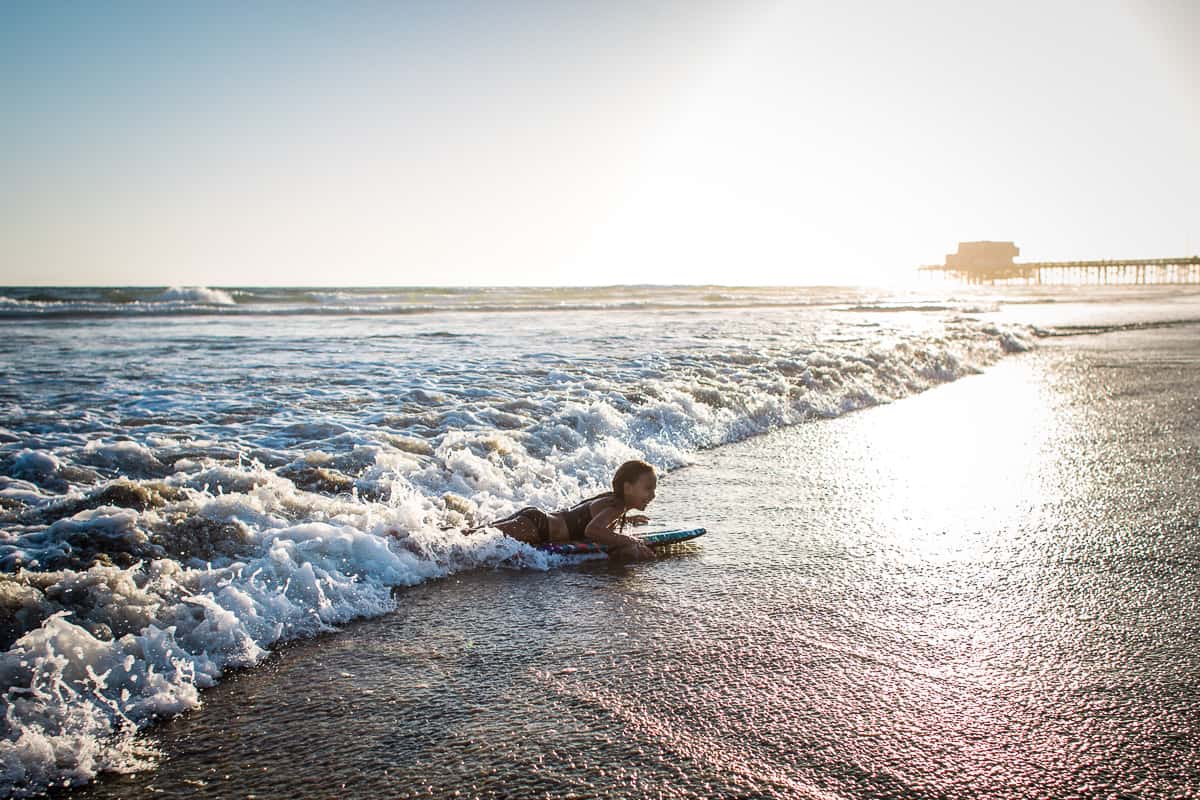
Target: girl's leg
528	525
519	528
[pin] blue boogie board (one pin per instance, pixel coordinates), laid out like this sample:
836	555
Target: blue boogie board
651	538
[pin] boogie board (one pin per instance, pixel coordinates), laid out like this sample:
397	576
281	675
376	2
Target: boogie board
651	538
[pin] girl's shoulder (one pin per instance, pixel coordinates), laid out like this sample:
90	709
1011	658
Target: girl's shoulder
602	501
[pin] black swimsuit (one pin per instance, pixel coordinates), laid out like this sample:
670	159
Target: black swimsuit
578	516
541	522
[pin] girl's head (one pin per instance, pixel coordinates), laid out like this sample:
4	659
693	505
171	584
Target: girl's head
634	484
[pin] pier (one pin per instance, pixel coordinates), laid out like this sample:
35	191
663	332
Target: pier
992	262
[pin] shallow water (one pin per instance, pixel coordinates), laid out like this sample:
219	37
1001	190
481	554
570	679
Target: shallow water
989	590
983	590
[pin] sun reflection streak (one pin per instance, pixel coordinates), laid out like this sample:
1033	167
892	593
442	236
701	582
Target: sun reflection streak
962	516
970	455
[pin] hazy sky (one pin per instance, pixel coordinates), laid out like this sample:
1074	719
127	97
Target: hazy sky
587	143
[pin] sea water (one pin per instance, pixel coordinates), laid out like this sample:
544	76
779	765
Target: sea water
192	477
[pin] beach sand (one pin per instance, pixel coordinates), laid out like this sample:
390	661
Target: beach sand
991	589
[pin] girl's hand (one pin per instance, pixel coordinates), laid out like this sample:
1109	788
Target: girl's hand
641	551
634	550
638	519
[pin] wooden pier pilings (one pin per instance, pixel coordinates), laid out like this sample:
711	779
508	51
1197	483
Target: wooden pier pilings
1135	271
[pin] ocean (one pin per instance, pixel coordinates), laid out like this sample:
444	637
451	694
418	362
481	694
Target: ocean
951	552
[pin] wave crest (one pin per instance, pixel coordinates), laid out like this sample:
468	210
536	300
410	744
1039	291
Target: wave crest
201	295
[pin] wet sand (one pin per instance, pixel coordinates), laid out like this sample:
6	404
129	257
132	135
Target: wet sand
988	590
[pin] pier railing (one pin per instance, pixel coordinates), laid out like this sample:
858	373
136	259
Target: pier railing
1135	271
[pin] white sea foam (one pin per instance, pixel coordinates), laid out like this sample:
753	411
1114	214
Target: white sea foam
119	647
197	294
35	464
130	457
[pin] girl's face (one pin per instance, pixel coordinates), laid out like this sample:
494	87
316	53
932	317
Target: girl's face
640	492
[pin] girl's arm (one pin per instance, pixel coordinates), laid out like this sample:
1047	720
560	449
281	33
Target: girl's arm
599	531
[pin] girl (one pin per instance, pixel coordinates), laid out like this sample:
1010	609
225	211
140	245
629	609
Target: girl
593	519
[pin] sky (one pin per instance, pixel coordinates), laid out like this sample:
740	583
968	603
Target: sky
587	143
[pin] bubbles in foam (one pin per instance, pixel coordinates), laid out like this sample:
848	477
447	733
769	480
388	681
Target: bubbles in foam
34	464
131	458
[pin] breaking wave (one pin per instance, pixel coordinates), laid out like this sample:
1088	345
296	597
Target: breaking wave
196	294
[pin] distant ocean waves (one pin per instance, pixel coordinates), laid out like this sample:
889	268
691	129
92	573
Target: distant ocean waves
44	302
40	301
163	520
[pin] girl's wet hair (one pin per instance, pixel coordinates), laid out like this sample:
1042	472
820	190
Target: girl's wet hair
628	472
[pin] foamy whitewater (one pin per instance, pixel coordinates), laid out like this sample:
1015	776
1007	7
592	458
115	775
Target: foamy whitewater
190	476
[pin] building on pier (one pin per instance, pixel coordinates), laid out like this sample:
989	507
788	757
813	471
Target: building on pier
994	262
983	256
